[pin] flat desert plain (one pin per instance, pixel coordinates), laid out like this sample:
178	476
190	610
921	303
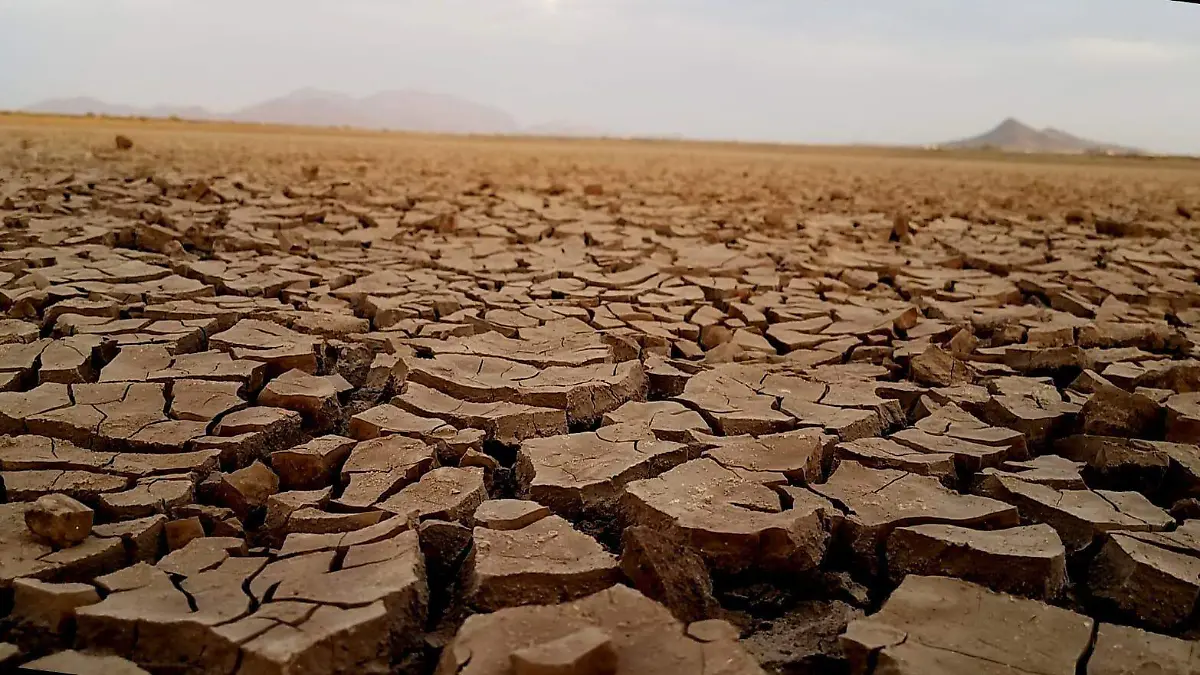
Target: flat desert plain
279	401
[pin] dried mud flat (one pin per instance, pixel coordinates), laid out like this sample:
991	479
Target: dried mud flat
299	402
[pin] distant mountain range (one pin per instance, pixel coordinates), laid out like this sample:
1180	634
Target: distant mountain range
1014	136
394	110
421	111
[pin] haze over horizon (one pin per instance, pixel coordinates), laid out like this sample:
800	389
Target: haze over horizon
922	71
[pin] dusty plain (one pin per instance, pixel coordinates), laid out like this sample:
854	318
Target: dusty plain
282	401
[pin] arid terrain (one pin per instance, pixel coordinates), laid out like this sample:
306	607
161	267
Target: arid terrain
279	401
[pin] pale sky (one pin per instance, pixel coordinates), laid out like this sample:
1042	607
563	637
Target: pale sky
898	71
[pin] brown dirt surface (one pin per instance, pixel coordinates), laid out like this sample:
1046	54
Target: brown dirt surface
320	402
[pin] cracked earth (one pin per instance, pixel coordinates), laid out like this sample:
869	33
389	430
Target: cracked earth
302	402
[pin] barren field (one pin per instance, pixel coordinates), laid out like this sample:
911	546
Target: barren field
312	402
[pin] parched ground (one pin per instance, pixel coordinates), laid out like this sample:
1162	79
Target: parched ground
314	402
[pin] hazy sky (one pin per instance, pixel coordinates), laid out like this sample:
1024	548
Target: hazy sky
906	71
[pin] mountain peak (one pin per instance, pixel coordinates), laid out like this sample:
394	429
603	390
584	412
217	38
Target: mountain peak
1012	123
1012	135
